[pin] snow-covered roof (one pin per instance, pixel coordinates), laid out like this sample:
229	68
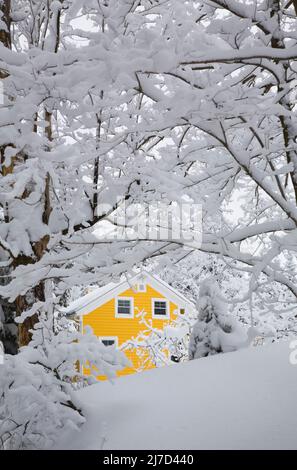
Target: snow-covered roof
101	295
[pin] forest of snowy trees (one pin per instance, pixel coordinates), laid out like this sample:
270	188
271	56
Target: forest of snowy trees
112	103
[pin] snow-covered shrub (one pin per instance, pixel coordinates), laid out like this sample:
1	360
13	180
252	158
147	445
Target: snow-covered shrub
34	405
160	346
215	330
37	402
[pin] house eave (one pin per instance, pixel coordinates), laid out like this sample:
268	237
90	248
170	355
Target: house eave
158	284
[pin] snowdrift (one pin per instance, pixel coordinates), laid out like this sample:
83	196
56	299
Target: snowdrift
240	400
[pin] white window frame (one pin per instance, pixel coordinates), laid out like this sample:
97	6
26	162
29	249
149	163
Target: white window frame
115	338
123	315
155	299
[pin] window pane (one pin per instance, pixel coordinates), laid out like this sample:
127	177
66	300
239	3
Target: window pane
124	307
160	307
108	342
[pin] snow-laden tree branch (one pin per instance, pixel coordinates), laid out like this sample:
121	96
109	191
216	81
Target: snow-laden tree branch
116	103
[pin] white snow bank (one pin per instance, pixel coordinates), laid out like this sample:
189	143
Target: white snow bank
240	400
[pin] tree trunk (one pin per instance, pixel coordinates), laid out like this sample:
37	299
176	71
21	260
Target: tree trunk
288	127
8	332
13	336
5	36
39	248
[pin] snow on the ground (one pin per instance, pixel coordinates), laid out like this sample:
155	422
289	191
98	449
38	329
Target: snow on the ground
240	400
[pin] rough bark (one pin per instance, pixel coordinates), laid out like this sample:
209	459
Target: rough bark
288	128
24	302
5	36
8	332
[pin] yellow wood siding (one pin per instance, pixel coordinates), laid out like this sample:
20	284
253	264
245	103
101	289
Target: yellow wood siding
104	322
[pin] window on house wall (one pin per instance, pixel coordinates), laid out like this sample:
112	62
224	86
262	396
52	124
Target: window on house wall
109	340
124	307
141	287
160	308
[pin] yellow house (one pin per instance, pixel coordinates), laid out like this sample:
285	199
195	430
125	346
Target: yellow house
119	312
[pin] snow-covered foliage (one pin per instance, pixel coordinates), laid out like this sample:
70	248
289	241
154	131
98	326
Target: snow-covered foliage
160	346
34	406
215	330
268	308
37	401
163	121
112	103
